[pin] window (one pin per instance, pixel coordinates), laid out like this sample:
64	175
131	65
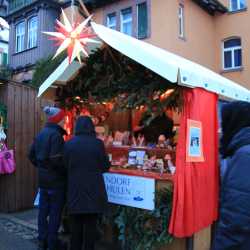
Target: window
132	20
111	21
142	20
237	5
126	21
181	20
232	54
32	32
3	58
20	35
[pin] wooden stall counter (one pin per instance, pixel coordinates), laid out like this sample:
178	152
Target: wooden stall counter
121	152
161	181
201	240
118	151
141	173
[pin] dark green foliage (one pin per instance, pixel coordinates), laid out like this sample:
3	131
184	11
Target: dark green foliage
109	75
5	73
142	229
44	68
3	115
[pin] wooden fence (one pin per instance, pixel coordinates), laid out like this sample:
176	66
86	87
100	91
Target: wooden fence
17	191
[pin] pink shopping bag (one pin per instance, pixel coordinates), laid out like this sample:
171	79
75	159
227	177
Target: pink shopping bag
7	161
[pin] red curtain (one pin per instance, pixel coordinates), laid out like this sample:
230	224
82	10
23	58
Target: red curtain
195	201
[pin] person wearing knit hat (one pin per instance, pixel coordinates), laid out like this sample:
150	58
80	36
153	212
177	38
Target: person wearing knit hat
54	114
46	153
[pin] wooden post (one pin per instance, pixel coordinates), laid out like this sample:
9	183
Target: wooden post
202	239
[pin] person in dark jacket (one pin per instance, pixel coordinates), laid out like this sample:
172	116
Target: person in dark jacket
156	124
86	161
46	154
233	229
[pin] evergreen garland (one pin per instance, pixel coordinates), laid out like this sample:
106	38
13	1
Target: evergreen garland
141	229
44	68
3	115
5	73
109	75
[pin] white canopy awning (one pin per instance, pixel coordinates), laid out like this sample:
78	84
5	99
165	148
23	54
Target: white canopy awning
166	64
64	73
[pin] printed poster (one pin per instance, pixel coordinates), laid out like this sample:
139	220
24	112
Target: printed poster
130	191
194	142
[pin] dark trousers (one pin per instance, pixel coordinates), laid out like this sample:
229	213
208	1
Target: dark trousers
51	204
84	233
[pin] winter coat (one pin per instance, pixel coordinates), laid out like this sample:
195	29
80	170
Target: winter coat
233	230
160	125
46	154
86	161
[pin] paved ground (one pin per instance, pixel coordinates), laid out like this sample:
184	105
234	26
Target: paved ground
12	242
19	232
29	216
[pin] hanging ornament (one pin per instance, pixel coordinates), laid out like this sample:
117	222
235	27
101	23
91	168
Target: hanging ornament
166	94
72	37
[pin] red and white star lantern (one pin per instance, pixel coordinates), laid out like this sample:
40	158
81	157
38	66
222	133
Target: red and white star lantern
72	37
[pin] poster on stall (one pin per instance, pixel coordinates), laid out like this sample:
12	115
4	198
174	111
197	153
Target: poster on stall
130	191
194	141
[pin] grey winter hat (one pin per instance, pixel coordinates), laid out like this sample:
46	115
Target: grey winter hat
54	114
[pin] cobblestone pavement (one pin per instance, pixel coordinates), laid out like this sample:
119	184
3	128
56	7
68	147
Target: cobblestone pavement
15	236
19	232
18	229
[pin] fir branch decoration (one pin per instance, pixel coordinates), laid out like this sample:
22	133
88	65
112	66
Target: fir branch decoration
109	75
44	68
142	229
3	115
5	73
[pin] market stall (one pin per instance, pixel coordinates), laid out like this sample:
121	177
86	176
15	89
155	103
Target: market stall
157	115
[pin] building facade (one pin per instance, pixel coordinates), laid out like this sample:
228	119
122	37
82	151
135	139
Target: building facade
4	36
212	33
27	20
233	42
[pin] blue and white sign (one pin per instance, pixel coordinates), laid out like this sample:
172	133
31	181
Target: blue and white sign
130	191
36	201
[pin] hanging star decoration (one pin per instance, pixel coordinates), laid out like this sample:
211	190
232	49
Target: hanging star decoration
72	37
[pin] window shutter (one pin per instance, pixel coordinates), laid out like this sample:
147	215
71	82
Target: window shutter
5	59
142	20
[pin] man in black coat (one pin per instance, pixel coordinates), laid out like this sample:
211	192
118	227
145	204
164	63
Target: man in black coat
153	124
233	229
46	154
86	161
